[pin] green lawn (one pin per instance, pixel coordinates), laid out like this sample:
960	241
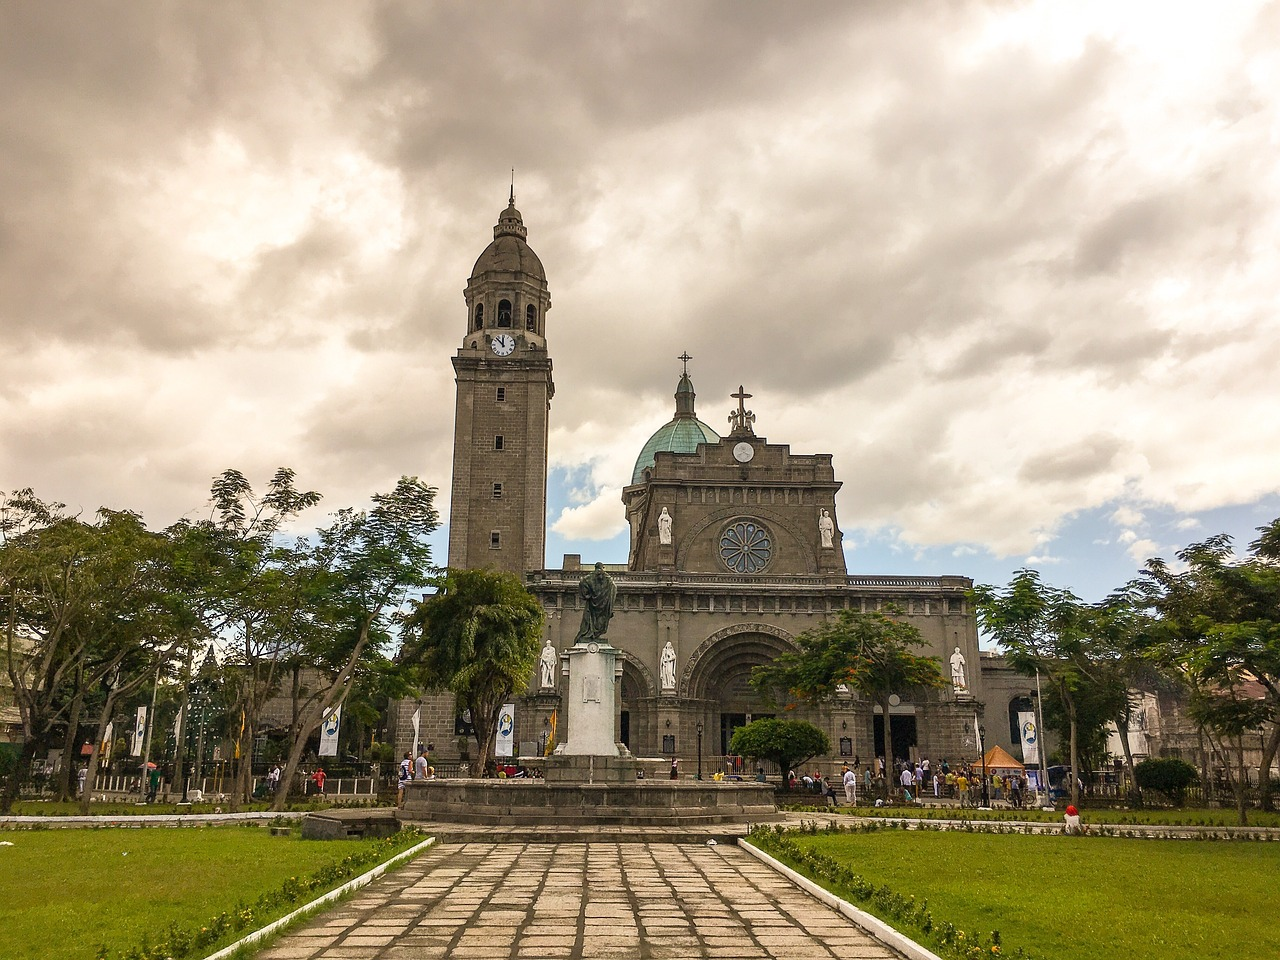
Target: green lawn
1190	816
1087	898
65	893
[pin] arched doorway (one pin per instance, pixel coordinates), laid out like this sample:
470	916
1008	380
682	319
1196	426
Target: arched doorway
719	673
635	707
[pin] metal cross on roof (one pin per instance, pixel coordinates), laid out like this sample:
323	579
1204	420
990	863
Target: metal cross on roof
685	358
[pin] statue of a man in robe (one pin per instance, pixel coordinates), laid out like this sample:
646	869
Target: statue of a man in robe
598	591
547	666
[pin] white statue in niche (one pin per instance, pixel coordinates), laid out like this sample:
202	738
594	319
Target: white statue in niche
957	670
547	665
668	668
664	527
826	529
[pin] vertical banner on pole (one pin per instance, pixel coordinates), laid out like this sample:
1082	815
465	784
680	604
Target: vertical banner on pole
329	731
1030	736
504	743
139	732
417	728
104	748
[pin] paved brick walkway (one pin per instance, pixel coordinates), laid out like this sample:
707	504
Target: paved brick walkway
579	900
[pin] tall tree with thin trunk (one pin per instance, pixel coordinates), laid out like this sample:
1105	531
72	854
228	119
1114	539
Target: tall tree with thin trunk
363	570
1043	628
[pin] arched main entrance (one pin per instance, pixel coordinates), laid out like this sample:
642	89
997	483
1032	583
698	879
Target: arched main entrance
718	677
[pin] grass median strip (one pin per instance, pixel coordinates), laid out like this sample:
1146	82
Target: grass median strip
134	895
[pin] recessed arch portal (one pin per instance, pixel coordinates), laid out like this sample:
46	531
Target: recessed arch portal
719	676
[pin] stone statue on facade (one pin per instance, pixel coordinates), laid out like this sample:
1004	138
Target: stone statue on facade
547	666
664	527
668	667
826	529
598	591
957	671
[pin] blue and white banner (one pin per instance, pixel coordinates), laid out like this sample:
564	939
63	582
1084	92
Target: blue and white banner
1029	733
504	743
329	731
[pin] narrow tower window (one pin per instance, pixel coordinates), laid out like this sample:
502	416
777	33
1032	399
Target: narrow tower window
479	315
497	442
504	313
497	491
531	317
495	540
502	395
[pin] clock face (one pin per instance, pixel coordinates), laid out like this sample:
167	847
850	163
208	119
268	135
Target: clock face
743	452
503	344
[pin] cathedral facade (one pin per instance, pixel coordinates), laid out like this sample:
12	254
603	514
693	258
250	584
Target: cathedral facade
735	549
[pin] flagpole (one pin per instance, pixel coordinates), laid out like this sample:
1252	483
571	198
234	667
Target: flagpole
1044	771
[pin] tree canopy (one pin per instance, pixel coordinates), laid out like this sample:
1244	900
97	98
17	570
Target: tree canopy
478	636
867	652
788	743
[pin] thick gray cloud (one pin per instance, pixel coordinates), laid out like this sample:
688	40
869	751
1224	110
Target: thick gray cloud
1005	262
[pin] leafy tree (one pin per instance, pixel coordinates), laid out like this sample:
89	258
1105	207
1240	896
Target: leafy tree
1047	629
1169	775
1218	629
788	743
479	636
869	652
359	576
252	596
78	606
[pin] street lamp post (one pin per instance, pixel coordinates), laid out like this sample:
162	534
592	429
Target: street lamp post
982	745
699	749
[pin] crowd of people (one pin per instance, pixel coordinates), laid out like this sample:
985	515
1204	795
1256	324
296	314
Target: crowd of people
918	780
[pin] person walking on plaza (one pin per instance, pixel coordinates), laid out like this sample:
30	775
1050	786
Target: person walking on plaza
962	789
318	779
406	774
850	786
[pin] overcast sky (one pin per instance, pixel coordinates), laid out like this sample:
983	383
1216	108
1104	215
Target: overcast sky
1014	265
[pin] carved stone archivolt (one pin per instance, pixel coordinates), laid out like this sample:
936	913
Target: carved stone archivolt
725	638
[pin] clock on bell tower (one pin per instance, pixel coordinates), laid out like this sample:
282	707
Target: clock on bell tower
498	515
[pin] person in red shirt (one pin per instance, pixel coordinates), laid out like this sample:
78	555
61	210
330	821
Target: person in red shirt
318	779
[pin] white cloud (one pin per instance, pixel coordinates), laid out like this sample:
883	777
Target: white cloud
1127	517
601	519
1041	561
1140	551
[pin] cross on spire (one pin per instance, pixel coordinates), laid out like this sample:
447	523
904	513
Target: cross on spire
685	358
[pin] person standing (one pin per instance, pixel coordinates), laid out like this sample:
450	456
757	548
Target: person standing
273	779
153	784
962	788
406	774
907	779
850	786
675	769
420	766
318	779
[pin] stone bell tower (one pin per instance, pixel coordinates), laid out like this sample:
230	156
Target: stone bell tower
498	515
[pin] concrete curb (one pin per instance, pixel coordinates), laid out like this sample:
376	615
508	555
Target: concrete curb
360	881
872	925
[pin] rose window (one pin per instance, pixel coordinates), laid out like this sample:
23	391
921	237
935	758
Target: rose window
745	547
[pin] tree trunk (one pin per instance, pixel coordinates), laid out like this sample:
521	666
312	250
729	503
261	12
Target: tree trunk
70	747
1075	748
1122	727
91	775
887	745
1242	782
1269	747
307	719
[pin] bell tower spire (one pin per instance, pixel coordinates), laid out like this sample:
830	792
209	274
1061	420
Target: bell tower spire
498	515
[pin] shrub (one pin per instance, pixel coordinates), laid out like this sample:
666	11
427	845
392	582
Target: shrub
1169	775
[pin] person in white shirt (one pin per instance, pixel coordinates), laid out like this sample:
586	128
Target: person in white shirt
850	780
908	780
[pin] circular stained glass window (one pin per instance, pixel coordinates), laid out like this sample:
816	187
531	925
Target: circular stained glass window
745	546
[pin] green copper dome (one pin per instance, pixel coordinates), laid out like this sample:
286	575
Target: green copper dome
681	435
